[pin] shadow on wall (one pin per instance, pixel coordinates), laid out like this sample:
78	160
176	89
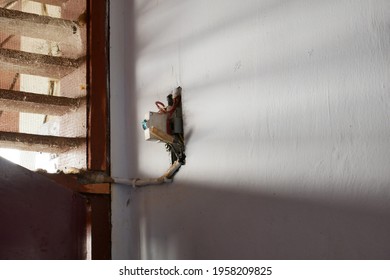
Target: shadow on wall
124	146
296	87
199	222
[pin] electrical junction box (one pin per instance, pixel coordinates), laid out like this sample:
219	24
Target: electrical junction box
166	126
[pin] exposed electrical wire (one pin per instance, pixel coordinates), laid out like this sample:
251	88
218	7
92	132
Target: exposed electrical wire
164	109
93	177
161	107
165	178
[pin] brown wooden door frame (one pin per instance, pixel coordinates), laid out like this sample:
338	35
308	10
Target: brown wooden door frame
98	75
98	151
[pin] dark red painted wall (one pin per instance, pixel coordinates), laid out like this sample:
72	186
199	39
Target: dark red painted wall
39	219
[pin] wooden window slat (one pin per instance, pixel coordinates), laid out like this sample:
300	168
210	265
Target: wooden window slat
38	26
19	101
39	143
37	64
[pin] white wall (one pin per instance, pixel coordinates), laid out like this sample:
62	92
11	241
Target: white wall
286	109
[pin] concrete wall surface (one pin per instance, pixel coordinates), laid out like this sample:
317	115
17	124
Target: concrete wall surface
286	113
